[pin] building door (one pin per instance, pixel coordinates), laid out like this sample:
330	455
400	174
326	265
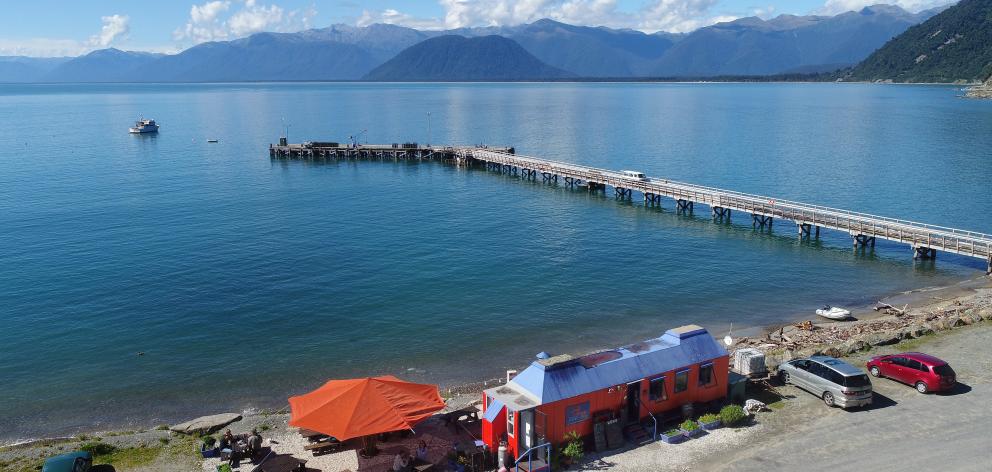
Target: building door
527	431
632	409
541	433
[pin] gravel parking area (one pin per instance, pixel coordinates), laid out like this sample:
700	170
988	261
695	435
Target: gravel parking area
903	430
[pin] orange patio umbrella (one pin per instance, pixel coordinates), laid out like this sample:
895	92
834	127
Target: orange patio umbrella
351	408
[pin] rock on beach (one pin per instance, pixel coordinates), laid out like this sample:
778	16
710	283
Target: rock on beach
206	424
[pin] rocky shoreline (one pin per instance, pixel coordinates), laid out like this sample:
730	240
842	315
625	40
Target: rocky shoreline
893	324
907	316
981	91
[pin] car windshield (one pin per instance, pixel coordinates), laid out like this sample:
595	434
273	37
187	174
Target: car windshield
857	381
944	370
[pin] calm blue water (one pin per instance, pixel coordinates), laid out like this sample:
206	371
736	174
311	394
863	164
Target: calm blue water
245	280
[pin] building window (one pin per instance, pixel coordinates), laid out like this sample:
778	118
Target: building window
509	421
706	374
681	381
656	390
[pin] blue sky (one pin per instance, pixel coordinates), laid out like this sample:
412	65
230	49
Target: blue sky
54	28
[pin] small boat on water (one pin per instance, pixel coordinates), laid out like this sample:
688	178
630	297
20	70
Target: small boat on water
144	126
211	140
834	313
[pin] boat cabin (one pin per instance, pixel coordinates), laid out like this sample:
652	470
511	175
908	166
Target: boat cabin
556	395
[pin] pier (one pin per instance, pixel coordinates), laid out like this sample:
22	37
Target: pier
925	240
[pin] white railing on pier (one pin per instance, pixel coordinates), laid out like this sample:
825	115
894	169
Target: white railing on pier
923	235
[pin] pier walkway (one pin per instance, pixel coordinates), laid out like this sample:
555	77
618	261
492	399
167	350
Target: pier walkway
924	239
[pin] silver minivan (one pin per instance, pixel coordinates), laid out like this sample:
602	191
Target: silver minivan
836	382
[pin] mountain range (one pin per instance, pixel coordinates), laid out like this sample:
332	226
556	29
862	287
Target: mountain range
747	46
954	45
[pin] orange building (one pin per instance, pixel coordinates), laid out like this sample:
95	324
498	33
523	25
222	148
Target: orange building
557	395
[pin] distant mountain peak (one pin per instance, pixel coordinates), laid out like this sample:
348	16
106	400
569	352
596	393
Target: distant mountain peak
454	57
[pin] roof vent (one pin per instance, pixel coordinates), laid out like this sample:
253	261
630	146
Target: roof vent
543	355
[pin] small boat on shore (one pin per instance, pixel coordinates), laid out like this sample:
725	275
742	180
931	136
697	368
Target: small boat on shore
833	313
143	126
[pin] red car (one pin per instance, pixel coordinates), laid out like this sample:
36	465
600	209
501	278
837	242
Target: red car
925	372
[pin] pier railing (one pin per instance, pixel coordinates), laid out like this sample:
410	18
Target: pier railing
863	226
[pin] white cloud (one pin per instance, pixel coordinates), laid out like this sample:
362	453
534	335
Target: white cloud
668	15
680	16
210	21
462	13
390	16
833	7
114	27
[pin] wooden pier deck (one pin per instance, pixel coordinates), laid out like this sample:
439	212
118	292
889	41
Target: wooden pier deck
924	239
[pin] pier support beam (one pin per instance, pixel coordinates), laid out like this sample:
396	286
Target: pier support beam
720	213
807	230
596	187
528	173
651	199
923	252
760	221
623	193
683	207
549	177
571	182
863	240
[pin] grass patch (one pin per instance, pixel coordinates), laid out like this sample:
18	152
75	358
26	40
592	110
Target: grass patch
162	427
129	458
776	405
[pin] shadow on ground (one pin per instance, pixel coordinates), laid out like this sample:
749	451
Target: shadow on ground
959	389
878	402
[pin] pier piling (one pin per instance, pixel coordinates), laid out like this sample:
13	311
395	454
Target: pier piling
925	239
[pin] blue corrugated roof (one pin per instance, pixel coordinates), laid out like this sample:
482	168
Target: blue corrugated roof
547	382
492	411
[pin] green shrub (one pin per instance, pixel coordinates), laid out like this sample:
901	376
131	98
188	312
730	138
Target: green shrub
708	418
574	447
224	468
209	441
98	448
672	432
689	425
732	415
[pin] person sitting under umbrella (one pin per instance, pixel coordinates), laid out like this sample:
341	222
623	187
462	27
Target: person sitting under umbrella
402	462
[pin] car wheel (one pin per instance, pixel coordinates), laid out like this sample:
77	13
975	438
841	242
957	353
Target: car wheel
921	387
828	399
784	377
874	371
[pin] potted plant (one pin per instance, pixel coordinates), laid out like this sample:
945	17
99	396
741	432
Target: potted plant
208	447
690	429
573	450
709	421
673	436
